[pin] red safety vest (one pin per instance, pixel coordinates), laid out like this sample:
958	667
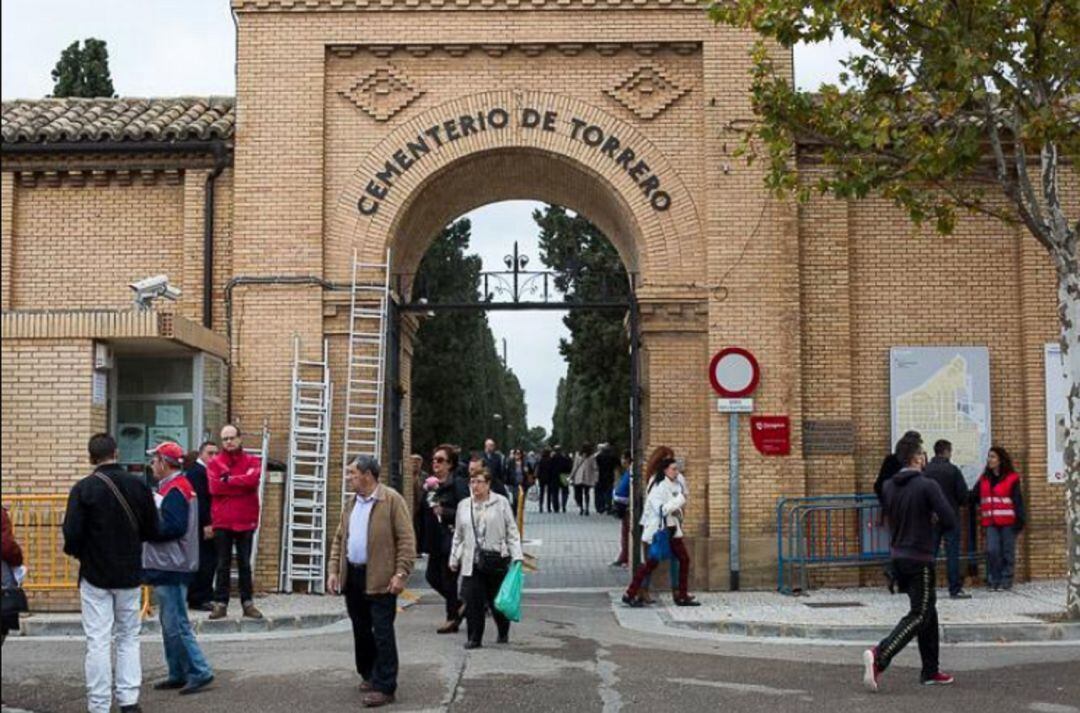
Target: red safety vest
995	501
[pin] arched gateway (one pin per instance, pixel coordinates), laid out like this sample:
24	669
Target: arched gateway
366	125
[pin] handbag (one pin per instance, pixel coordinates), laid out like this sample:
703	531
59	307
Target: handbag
660	547
14	602
486	561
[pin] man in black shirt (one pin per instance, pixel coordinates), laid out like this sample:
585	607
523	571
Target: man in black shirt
911	501
201	592
110	513
952	484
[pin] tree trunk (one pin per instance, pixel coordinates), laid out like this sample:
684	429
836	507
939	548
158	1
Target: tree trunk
1069	311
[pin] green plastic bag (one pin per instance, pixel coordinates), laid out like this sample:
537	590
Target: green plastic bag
508	600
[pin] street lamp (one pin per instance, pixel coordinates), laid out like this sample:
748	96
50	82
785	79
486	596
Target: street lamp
502	427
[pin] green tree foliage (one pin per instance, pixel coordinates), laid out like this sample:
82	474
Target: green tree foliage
459	382
591	401
83	71
953	106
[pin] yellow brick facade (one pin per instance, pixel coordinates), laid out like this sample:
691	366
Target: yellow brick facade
328	93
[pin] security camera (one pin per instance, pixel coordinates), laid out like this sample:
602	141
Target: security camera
151	288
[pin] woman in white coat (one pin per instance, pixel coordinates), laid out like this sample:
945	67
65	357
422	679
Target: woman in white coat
486	541
663	510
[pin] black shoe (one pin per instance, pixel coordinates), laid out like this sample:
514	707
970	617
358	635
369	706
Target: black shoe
469	645
1007	586
960	595
632	602
687	602
196	686
133	708
169	685
503	639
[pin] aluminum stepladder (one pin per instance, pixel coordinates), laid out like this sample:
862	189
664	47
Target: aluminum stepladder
365	387
303	551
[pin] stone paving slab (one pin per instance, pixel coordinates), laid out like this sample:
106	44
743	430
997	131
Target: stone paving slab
869	614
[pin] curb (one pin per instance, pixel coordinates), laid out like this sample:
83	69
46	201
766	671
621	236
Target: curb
1004	633
31	626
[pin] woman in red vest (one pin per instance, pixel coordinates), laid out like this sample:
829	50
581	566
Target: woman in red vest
1001	505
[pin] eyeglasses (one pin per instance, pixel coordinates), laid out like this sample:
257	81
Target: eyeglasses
438	459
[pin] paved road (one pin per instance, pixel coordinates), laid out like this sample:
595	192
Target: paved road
569	655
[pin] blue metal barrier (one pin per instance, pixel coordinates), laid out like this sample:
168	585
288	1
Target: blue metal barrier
840	530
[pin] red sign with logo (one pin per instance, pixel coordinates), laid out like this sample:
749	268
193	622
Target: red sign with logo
771	434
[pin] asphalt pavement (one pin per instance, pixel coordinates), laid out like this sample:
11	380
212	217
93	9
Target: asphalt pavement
569	654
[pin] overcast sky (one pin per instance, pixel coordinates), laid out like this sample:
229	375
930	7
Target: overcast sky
187	47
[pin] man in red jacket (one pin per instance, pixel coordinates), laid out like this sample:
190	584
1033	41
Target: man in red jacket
234	513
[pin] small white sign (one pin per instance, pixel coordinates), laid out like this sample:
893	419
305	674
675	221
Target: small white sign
734	405
100	388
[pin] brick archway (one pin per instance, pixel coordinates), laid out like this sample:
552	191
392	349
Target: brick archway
659	237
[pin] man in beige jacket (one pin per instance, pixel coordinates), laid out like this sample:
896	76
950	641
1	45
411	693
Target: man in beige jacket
371	559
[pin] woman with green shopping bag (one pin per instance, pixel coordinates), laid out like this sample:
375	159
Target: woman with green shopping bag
486	542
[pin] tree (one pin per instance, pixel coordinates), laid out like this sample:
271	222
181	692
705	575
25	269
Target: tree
83	71
592	399
965	105
459	383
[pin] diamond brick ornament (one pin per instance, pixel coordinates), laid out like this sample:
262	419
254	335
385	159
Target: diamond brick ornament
382	92
647	91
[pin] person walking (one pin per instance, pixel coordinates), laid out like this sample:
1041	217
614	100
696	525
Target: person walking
440	514
371	559
234	511
486	541
201	591
562	466
652	466
495	462
620	499
911	501
953	486
169	563
110	513
607	463
583	477
12	559
1001	507
663	510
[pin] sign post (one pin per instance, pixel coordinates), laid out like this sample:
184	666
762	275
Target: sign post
734	374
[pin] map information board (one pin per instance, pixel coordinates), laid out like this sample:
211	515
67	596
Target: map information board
1057	413
944	392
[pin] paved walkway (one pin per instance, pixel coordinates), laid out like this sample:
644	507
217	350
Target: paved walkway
1026	613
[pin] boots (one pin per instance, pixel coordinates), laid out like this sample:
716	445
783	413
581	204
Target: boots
220	611
250	611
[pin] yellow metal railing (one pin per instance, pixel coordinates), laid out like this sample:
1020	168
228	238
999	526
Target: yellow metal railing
38	521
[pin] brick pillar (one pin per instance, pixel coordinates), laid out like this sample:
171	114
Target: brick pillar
190	278
7	232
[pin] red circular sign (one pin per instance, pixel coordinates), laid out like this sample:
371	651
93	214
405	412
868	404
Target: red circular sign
734	373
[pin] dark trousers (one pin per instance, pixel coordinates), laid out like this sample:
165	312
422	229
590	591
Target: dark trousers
603	497
374	643
679	550
952	557
225	541
479	592
564	495
544	496
444	581
201	591
581	497
1000	555
917	579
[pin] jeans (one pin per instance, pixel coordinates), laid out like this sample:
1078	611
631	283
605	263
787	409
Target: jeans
109	613
479	591
374	643
917	579
225	541
444	581
1000	555
183	657
581	497
952	557
678	549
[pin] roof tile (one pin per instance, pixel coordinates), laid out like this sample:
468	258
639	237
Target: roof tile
122	119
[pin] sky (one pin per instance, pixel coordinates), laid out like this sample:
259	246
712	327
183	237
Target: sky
187	47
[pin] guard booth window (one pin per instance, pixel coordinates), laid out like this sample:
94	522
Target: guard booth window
160	399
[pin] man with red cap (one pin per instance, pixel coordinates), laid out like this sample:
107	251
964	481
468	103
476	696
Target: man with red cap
234	512
170	560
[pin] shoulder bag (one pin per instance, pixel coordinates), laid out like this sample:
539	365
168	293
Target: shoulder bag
485	561
120	499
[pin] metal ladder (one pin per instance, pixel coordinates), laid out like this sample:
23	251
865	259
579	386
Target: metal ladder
365	388
303	552
262	454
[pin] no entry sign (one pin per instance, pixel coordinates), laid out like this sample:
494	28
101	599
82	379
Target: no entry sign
734	373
